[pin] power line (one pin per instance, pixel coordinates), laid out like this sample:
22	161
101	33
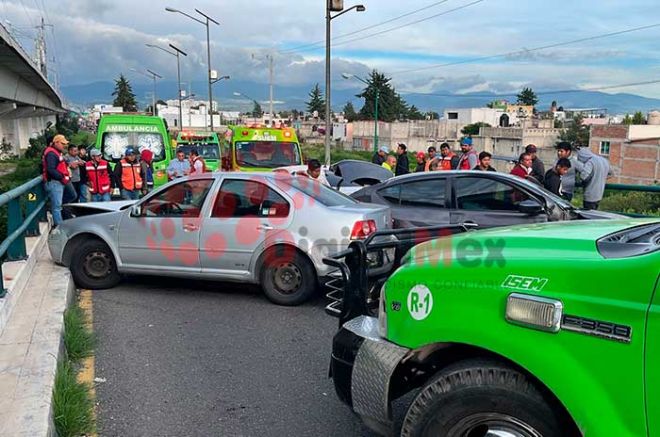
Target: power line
361	38
294	49
525	51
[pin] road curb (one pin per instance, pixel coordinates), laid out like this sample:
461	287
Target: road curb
31	345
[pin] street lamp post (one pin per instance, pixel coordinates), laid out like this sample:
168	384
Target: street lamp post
331	6
206	22
176	53
152	75
352	76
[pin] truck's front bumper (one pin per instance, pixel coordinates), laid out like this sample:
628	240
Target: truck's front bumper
361	367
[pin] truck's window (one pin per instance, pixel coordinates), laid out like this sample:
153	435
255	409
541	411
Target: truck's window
113	144
206	151
481	194
267	154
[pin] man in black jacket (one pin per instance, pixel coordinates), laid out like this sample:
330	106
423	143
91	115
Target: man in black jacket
380	156
552	180
402	164
538	169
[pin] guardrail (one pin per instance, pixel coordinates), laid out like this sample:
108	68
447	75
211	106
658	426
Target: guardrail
21	221
643	188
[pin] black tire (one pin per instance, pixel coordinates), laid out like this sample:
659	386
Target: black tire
93	266
471	397
284	263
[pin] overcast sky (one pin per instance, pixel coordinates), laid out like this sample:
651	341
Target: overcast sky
95	40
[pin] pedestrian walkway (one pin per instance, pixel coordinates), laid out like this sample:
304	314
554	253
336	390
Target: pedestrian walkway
30	345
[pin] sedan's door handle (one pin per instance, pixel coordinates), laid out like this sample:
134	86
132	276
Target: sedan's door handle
190	227
265	228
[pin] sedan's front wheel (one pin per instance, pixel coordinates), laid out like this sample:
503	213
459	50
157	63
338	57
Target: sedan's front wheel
93	266
287	277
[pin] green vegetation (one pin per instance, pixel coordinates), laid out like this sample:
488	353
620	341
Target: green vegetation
23	171
473	129
124	95
318	152
631	203
637	118
78	340
349	112
527	97
576	133
73	406
316	101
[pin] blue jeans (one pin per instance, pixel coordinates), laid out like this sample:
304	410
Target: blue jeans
59	194
101	197
83	193
130	195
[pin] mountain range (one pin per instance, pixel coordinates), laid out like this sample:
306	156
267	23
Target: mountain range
294	97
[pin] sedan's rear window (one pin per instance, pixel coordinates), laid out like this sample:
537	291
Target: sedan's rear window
321	193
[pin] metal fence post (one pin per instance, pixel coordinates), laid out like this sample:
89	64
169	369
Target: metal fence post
33	199
16	250
3	290
41	188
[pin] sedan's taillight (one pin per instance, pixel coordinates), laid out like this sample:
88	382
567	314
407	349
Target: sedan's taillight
362	229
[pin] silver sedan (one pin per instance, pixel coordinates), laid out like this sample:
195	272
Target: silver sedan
263	228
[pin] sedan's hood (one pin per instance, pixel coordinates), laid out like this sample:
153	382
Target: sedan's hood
90	208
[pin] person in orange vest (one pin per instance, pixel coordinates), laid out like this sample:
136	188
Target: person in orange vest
98	177
129	176
57	178
197	164
448	159
469	158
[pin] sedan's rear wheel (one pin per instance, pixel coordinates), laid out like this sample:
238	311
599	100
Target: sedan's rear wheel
287	277
93	266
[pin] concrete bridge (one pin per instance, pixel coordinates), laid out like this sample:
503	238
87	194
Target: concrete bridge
27	100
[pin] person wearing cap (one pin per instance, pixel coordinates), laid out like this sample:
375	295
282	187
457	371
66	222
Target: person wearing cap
422	164
129	176
448	159
98	177
565	150
381	156
469	158
538	169
56	177
178	167
484	162
402	163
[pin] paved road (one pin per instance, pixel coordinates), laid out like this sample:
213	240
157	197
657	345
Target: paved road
204	359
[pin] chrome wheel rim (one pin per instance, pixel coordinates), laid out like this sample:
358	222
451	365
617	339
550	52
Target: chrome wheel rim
97	265
287	278
492	425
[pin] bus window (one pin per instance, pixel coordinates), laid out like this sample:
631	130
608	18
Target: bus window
269	154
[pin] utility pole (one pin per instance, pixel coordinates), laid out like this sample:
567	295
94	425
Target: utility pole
40	48
270	69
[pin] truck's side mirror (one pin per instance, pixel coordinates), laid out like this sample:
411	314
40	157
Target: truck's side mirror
530	207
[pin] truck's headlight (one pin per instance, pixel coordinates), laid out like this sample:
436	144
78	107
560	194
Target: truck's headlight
382	313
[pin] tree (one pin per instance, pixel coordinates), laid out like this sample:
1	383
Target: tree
257	112
316	101
390	104
576	133
415	114
473	129
638	118
349	112
527	97
124	96
627	119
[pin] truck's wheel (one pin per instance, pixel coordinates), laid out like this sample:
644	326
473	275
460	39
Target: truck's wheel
93	266
479	398
287	277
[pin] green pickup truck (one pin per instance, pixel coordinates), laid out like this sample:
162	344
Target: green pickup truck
536	330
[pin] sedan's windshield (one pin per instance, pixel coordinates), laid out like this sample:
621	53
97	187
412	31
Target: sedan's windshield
267	154
114	144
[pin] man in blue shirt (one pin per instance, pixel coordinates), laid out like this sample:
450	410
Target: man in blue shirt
179	167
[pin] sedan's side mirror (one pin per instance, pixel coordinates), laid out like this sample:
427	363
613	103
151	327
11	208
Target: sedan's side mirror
530	207
136	211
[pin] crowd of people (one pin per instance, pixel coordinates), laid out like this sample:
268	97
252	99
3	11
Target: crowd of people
72	175
592	169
